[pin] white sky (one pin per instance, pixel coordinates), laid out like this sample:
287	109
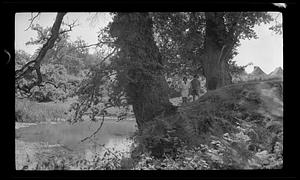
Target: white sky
265	52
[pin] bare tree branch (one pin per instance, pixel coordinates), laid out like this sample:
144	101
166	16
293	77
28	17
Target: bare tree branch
110	54
31	20
71	26
97	44
53	84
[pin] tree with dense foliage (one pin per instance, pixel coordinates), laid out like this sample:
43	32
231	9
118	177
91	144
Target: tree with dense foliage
141	66
205	43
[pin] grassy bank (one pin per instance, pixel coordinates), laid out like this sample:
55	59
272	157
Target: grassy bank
29	111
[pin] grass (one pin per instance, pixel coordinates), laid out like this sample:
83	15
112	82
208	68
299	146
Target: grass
29	111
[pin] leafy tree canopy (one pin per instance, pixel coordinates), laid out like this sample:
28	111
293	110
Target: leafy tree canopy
180	36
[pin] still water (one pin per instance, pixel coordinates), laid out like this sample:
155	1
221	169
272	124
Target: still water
113	134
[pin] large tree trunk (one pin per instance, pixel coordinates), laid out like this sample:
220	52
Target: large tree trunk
141	62
216	69
149	101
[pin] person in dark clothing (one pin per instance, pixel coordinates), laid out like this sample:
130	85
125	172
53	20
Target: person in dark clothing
195	87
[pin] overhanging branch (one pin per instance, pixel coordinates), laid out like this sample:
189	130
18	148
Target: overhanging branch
105	58
93	134
31	20
71	26
36	67
97	44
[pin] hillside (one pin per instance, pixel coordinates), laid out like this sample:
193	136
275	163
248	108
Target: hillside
234	127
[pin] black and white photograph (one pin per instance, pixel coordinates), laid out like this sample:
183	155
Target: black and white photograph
190	90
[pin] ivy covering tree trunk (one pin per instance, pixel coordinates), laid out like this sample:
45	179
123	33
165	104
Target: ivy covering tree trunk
140	65
216	68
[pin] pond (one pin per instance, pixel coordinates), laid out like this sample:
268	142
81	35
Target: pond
113	134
